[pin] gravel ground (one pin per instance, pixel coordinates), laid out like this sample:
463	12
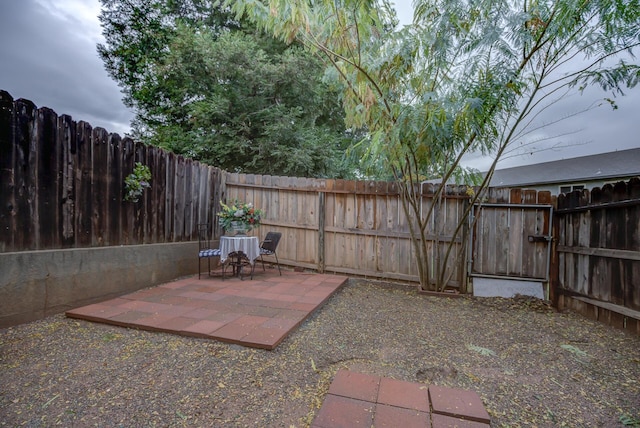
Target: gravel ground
531	365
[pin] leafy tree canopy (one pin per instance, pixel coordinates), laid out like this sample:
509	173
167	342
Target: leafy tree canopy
217	90
468	75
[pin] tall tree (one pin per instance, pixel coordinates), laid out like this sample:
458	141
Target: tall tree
137	33
206	87
468	75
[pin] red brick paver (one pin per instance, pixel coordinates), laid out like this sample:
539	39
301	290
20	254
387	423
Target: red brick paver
442	421
457	403
344	412
355	385
257	313
400	393
357	399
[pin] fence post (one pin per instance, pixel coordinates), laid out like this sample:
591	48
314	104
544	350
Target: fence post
321	232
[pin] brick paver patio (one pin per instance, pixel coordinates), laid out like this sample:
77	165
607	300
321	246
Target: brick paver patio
261	313
362	400
257	313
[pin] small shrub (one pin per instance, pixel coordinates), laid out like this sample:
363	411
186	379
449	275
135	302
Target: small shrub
136	182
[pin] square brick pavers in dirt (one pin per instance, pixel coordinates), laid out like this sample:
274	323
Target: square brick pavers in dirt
361	400
258	313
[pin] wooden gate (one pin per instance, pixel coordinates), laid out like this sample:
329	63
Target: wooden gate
510	249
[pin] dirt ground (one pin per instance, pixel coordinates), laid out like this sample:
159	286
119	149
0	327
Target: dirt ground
532	366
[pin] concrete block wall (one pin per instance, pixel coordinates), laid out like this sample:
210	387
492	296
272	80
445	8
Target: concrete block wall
36	284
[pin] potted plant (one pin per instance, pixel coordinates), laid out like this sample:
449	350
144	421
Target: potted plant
239	217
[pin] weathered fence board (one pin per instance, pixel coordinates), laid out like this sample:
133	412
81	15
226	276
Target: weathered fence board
503	227
7	170
346	226
62	185
599	244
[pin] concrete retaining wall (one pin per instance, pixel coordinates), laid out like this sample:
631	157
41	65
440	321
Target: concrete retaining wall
36	284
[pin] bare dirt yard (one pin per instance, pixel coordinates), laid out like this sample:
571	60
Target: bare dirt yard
531	365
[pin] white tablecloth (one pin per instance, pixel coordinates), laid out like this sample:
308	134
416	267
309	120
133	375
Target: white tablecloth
249	245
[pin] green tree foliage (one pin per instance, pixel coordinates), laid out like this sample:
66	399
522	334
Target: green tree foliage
467	76
137	34
208	89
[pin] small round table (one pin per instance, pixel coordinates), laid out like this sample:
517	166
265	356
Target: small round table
241	250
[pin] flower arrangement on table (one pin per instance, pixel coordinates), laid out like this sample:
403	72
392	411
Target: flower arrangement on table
239	216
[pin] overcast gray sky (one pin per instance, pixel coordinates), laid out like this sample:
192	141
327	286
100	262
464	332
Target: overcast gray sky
48	55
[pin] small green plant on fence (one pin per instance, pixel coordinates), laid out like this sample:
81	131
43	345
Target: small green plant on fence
136	182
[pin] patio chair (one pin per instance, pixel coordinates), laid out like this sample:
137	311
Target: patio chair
204	248
268	248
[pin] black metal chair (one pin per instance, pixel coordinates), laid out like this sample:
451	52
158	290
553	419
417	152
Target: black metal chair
204	248
268	248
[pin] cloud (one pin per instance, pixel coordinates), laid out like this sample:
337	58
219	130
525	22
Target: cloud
48	51
48	55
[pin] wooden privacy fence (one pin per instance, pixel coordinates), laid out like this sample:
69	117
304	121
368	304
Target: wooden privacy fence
598	251
351	227
62	185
